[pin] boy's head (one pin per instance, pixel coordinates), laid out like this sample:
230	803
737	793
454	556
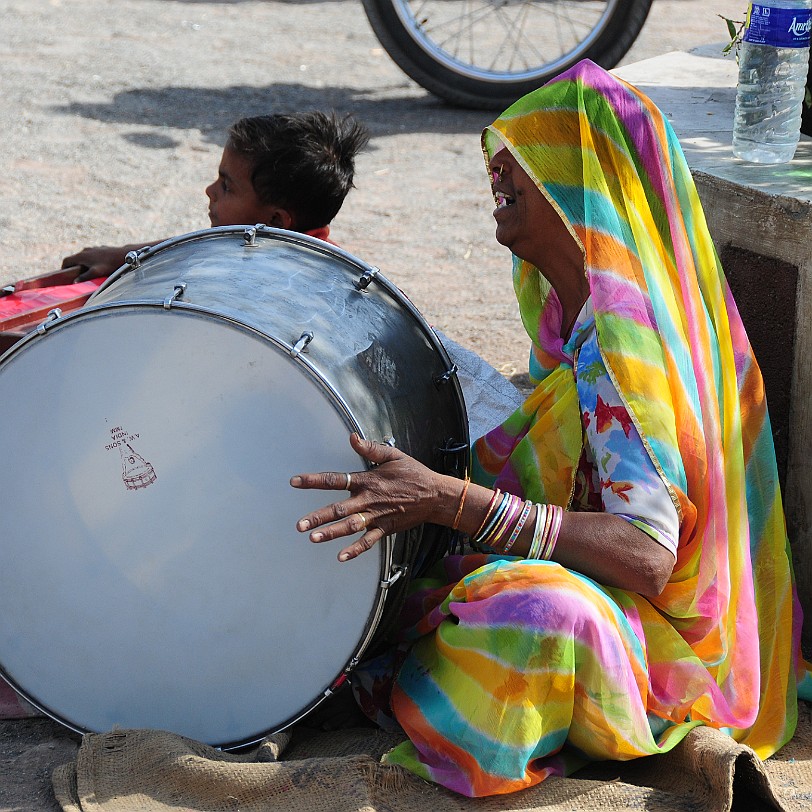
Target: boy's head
286	170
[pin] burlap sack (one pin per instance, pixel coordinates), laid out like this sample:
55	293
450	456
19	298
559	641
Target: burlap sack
153	771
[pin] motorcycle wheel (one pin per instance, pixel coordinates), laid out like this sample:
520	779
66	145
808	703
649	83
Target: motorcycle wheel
485	54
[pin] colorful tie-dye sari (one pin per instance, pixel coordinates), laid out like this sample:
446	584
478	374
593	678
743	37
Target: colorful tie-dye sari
522	669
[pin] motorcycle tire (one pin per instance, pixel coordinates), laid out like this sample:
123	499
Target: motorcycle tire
446	45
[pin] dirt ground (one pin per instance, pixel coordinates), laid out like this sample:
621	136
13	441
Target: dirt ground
112	119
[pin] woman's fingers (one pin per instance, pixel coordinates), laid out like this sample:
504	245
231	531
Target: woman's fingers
336	523
354	523
366	542
394	495
377	453
326	481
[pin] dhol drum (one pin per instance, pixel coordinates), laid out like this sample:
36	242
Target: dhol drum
152	574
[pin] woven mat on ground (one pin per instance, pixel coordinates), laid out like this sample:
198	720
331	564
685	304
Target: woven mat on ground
152	771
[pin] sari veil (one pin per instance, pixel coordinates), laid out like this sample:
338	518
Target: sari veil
674	344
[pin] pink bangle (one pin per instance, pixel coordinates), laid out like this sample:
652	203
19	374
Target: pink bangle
519	525
507	520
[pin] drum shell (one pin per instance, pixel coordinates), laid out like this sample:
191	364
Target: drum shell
371	355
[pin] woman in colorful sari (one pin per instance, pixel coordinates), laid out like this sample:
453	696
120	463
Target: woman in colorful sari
635	578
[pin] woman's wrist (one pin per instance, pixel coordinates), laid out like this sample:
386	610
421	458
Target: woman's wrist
450	492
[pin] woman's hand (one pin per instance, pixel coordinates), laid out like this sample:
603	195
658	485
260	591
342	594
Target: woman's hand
396	495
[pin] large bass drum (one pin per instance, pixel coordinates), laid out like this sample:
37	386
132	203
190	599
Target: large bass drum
152	573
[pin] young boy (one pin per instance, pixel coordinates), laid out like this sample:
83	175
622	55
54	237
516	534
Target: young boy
288	171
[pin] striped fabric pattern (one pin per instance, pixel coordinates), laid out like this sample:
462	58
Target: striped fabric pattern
524	667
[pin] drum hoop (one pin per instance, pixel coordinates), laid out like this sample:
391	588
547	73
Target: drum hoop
389	570
259	230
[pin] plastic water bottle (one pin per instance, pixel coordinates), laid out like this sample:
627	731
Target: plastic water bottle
772	75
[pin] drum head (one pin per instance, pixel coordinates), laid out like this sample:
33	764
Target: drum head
165	585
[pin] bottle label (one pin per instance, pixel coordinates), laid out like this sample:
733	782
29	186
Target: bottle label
781	27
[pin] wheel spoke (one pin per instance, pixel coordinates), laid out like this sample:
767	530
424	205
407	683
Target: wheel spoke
506	37
515	29
470	20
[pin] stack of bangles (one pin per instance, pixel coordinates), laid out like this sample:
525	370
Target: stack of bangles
507	515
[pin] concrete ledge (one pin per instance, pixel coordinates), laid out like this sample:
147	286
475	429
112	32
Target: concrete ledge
766	212
697	92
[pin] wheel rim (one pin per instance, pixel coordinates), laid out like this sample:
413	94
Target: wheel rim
502	41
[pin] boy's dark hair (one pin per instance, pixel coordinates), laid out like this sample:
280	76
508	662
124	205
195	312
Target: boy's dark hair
303	162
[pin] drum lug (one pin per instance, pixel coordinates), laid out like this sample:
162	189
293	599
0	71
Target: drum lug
52	316
301	345
366	277
397	572
132	259
439	380
176	294
250	235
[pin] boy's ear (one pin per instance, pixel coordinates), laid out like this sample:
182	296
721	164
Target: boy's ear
280	218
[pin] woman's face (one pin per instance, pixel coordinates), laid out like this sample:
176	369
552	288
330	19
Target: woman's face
526	222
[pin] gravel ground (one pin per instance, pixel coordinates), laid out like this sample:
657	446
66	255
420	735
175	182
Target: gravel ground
112	120
114	114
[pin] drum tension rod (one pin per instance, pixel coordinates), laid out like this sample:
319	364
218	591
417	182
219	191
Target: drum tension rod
452	457
366	277
176	294
132	259
301	345
52	316
439	380
397	572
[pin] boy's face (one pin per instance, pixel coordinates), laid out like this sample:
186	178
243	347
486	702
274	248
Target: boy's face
232	199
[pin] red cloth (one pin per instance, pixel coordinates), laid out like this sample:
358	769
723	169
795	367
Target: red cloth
322	233
27	301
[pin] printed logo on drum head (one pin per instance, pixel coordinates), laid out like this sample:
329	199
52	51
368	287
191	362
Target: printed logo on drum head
136	472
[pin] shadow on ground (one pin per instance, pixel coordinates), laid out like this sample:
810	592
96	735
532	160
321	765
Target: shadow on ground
212	111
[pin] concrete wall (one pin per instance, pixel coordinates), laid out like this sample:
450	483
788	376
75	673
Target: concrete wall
765	242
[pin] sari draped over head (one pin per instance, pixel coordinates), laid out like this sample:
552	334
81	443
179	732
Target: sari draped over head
675	347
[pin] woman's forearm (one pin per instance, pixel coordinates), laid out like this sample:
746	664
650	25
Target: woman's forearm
601	546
